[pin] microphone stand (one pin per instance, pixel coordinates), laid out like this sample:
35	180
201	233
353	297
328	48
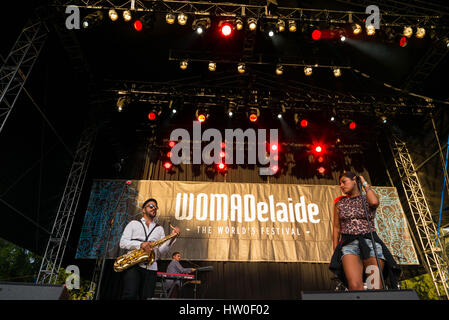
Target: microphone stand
359	185
111	223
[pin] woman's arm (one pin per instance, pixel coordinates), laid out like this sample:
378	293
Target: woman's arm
336	227
372	198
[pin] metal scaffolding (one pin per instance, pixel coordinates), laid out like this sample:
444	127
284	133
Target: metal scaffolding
19	63
433	251
54	253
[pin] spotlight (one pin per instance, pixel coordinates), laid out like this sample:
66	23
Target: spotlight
171	144
173	111
182	19
183	64
241	67
352	125
231	108
152	115
212	66
342	38
279	116
170	18
356	28
384	119
92	18
201	25
370	30
271	33
403	41
321	170
308	71
225	27
113	15
239	24
138	25
318	149
252	24
408	31
201	115
167	165
316	34
279	69
332	119
420	32
253	114
292	26
281	25
221	166
122	102
304	123
337	72
127	15
447	42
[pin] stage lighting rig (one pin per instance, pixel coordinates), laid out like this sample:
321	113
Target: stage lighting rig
182	19
183	64
420	32
292	26
408	31
202	114
127	16
92	19
226	27
252	24
201	25
253	114
238	24
170	18
241	67
113	15
280	25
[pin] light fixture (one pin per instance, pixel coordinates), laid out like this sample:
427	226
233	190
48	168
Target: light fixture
113	15
252	24
202	114
201	25
92	19
408	31
241	67
122	102
279	115
342	38
212	66
281	25
279	69
183	64
226	27
308	71
170	18
356	28
370	30
253	114
127	15
231	108
239	24
292	26
182	19
337	72
420	32
384	119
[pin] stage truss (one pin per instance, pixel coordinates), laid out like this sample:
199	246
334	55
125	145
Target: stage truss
19	63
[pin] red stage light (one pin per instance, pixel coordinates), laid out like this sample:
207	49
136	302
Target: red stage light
169	154
274	168
316	34
352	125
226	29
318	149
253	117
201	118
137	25
274	147
321	170
222	154
403	42
223	145
320	159
152	116
168	165
304	123
221	166
171	144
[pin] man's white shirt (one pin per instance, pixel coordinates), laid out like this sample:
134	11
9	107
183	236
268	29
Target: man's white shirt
134	235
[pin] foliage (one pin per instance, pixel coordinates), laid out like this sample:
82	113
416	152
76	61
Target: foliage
423	285
21	265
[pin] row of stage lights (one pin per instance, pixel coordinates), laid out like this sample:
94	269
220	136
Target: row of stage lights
318	157
227	26
242	67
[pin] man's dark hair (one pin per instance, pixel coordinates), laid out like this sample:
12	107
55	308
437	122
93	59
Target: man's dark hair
146	202
174	254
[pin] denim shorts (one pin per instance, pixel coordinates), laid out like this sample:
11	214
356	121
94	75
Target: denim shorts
353	248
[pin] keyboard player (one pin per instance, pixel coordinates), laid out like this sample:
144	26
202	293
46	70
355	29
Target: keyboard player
173	286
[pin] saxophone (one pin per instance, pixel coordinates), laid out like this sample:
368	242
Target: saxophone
139	255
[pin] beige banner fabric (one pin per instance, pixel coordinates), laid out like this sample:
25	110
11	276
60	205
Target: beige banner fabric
265	222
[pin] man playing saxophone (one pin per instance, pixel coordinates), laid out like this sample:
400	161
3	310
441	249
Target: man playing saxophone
139	281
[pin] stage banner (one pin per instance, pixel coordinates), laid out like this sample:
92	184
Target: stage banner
235	221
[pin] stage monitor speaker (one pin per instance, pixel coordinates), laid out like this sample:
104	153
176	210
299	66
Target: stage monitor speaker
361	295
31	291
